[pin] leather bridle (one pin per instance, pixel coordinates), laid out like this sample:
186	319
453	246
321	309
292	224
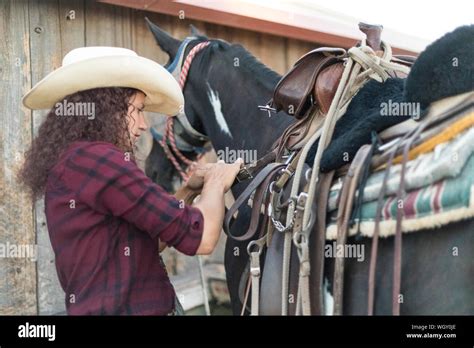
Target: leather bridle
179	134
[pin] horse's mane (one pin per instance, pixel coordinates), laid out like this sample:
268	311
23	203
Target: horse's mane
253	65
248	62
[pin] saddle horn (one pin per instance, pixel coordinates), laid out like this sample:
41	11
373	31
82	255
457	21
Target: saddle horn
373	34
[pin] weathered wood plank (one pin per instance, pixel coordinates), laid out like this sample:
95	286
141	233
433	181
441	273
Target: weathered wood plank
216	32
251	41
72	25
107	25
17	274
295	49
273	53
143	41
46	55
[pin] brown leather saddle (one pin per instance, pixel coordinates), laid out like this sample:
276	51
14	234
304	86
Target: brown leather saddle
307	90
314	78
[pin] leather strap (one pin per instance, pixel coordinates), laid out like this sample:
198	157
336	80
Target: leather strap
249	170
295	132
255	272
410	137
344	213
318	242
397	260
247	291
243	198
379	160
255	276
255	269
300	239
406	141
375	238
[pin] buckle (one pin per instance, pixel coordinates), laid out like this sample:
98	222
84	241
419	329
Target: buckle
271	188
289	157
301	200
243	174
258	244
255	271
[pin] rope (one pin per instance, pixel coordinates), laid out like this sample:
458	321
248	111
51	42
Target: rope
176	154
333	115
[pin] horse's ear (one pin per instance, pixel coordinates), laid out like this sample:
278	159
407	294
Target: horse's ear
195	31
167	43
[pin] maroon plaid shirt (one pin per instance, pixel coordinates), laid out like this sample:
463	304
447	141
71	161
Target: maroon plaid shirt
104	219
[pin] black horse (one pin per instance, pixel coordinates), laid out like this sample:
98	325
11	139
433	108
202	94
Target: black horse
221	102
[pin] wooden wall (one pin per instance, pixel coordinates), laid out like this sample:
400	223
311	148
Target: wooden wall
34	36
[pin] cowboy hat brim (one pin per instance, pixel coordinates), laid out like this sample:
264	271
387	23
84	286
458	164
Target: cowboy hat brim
163	94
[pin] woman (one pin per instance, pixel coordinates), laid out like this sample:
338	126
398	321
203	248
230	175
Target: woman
104	215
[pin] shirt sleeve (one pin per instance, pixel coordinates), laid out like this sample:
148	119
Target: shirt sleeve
105	179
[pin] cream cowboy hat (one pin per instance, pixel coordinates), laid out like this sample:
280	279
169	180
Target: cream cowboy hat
93	67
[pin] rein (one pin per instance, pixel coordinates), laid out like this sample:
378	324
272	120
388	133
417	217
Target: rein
174	154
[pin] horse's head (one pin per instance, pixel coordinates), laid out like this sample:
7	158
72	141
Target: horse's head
158	166
224	87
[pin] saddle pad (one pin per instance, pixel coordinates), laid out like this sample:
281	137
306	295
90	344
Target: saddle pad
363	116
446	160
444	136
445	68
436	108
447	201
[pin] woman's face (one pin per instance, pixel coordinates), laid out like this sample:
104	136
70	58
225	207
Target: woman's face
137	122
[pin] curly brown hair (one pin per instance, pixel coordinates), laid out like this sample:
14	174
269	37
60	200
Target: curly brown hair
56	133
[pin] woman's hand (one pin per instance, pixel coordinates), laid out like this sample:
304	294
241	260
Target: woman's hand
219	174
218	178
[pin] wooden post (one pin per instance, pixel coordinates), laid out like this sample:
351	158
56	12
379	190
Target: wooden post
107	25
46	52
17	274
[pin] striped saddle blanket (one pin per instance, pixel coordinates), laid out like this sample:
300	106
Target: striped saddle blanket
439	189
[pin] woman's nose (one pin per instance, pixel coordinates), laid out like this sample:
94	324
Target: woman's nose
143	123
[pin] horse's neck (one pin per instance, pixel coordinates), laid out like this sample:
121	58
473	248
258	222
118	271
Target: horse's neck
250	127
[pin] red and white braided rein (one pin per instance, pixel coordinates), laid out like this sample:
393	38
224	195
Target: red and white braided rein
169	134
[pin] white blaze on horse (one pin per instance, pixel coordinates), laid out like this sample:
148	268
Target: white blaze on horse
217	107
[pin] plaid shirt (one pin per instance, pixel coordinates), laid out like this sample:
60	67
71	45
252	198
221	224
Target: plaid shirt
104	218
